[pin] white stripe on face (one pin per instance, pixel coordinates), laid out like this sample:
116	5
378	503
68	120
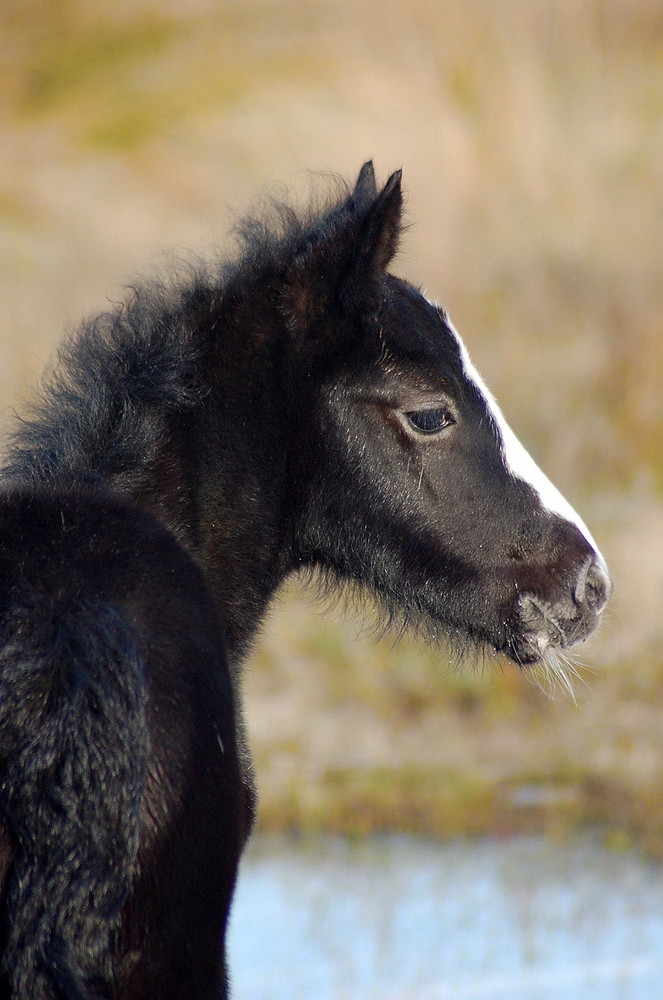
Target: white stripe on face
517	460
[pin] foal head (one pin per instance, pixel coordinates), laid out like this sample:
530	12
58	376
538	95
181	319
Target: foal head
410	480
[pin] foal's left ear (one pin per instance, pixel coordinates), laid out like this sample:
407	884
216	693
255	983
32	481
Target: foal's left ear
348	255
380	228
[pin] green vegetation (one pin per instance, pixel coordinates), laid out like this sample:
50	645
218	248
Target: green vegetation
355	734
530	136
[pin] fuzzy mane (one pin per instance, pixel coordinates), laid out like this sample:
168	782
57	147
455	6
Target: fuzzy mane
103	407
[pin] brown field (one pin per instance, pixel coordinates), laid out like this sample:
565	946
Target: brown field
531	138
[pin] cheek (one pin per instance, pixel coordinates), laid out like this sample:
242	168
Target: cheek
451	490
479	512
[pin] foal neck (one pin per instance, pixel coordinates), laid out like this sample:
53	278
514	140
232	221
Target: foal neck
220	478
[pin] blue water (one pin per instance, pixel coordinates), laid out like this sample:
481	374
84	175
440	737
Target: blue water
404	919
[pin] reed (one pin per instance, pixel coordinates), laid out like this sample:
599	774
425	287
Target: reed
530	136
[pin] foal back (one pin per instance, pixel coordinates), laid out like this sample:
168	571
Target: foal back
117	742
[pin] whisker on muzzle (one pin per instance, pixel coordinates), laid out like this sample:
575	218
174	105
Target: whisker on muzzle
558	671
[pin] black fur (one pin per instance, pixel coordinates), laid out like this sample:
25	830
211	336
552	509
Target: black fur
72	697
250	419
118	752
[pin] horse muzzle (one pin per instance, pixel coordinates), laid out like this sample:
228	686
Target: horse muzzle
563	619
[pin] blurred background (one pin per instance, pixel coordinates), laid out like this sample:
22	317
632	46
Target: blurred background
531	139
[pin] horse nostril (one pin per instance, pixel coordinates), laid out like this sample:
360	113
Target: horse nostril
593	585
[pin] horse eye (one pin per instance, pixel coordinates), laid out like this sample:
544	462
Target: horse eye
429	421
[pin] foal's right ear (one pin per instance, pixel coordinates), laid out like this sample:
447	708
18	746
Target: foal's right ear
365	190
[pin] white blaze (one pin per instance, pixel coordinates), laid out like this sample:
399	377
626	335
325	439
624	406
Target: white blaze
517	459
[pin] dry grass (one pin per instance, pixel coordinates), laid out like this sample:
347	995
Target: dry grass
531	136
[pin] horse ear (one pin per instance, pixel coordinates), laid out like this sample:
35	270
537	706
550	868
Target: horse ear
380	226
366	189
346	258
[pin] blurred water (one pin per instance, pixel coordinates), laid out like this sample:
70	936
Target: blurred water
403	919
